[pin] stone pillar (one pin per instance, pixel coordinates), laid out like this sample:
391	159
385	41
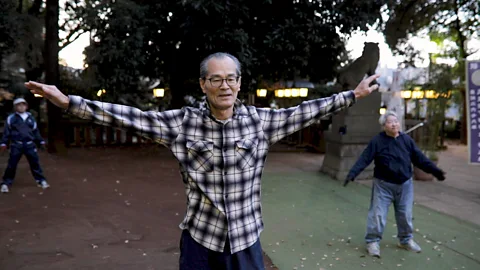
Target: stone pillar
350	133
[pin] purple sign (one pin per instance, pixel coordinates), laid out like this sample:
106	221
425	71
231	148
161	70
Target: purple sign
473	110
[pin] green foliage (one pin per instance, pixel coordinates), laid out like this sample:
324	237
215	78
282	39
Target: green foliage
455	20
22	33
441	81
274	40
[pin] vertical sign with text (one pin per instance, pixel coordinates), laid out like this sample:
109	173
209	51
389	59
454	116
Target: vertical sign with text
473	110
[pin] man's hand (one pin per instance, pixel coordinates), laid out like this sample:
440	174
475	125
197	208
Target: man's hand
440	176
41	147
49	92
364	89
347	180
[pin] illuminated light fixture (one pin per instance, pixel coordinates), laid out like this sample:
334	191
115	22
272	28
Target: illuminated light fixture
291	92
406	94
101	92
261	92
158	92
279	93
445	95
295	92
383	110
418	94
303	92
430	94
37	95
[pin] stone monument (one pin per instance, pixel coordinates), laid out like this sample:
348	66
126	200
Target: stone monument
353	128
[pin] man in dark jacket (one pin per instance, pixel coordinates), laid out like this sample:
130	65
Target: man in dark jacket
393	152
22	132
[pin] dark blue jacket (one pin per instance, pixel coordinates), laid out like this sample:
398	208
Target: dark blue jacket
393	159
19	130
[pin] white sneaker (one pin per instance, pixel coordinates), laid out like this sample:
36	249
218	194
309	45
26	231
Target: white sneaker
4	189
411	246
373	249
44	184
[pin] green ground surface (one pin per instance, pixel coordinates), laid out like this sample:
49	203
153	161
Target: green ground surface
313	222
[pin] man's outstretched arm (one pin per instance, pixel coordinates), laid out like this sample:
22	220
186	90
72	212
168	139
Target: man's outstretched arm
277	124
161	127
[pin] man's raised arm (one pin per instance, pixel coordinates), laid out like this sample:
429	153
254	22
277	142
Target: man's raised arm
277	124
161	127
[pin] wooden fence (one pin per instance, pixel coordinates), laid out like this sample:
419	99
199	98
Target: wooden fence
81	133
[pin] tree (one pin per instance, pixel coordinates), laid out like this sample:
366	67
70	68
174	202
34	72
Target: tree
456	19
274	40
56	142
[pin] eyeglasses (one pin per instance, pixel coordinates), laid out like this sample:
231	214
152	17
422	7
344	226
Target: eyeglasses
217	82
391	122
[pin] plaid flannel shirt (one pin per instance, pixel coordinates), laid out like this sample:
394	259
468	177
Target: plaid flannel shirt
221	161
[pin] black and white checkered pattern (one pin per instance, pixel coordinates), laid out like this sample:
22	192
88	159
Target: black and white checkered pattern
221	161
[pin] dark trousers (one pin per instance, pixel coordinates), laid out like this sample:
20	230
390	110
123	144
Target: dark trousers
194	256
17	150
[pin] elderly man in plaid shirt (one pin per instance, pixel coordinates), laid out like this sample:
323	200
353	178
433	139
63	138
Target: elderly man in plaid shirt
221	147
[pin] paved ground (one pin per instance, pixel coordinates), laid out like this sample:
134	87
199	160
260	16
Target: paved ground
120	209
312	222
458	196
113	208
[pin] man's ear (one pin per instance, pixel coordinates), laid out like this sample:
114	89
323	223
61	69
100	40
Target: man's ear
202	85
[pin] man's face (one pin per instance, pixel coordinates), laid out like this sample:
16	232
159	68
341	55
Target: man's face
21	107
221	85
391	125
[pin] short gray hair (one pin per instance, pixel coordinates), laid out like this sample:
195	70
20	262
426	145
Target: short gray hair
218	55
383	118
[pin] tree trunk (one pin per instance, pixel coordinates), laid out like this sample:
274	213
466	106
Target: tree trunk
177	92
176	85
462	58
56	143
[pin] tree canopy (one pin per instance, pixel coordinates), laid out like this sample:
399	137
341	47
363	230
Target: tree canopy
274	40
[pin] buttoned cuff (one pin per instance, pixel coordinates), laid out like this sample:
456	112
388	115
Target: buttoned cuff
73	104
350	95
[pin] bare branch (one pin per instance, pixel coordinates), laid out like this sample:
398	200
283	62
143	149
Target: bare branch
71	37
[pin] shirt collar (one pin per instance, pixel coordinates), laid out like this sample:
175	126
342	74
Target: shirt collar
238	108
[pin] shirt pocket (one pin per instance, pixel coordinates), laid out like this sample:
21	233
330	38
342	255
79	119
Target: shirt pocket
246	153
200	156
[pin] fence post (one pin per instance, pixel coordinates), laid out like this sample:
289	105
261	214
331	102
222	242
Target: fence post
98	136
129	138
88	136
118	139
78	136
109	135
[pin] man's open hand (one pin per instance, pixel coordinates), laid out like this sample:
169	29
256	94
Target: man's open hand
49	92
364	89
